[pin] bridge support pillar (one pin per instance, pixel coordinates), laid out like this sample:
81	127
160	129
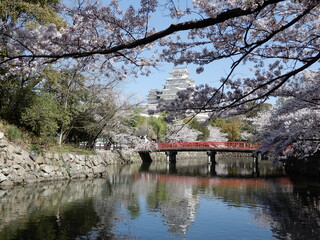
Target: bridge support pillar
172	168
145	156
212	169
171	156
211	157
257	156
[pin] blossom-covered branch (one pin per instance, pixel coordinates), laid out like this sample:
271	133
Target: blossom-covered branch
278	39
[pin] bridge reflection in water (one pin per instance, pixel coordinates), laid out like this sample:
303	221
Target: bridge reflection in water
211	148
233	167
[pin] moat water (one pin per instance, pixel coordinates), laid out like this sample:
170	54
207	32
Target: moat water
188	200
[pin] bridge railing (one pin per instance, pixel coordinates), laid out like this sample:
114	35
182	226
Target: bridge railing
207	145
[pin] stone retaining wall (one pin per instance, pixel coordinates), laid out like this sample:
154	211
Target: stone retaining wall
18	166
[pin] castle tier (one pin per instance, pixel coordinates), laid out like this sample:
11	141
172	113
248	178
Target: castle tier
178	81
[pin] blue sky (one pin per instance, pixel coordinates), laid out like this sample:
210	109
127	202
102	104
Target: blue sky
142	85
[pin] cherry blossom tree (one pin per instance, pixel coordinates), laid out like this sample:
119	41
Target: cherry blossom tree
295	124
180	132
129	142
277	38
216	135
103	113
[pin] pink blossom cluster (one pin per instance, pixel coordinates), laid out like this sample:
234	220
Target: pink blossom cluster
295	122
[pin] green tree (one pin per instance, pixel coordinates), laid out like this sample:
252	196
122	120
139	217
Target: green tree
44	115
95	115
255	108
218	122
68	87
140	122
32	11
16	93
159	127
137	121
231	126
195	124
233	131
21	93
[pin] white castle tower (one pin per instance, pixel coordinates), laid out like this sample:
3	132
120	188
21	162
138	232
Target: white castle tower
178	81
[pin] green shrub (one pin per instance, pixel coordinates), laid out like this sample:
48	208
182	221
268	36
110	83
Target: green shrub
195	124
36	148
13	134
70	148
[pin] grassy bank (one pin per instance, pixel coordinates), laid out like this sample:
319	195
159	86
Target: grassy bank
31	142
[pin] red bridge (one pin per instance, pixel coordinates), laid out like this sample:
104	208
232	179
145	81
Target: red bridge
207	146
171	149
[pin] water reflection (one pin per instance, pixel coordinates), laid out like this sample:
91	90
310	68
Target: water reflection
46	211
229	200
226	167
